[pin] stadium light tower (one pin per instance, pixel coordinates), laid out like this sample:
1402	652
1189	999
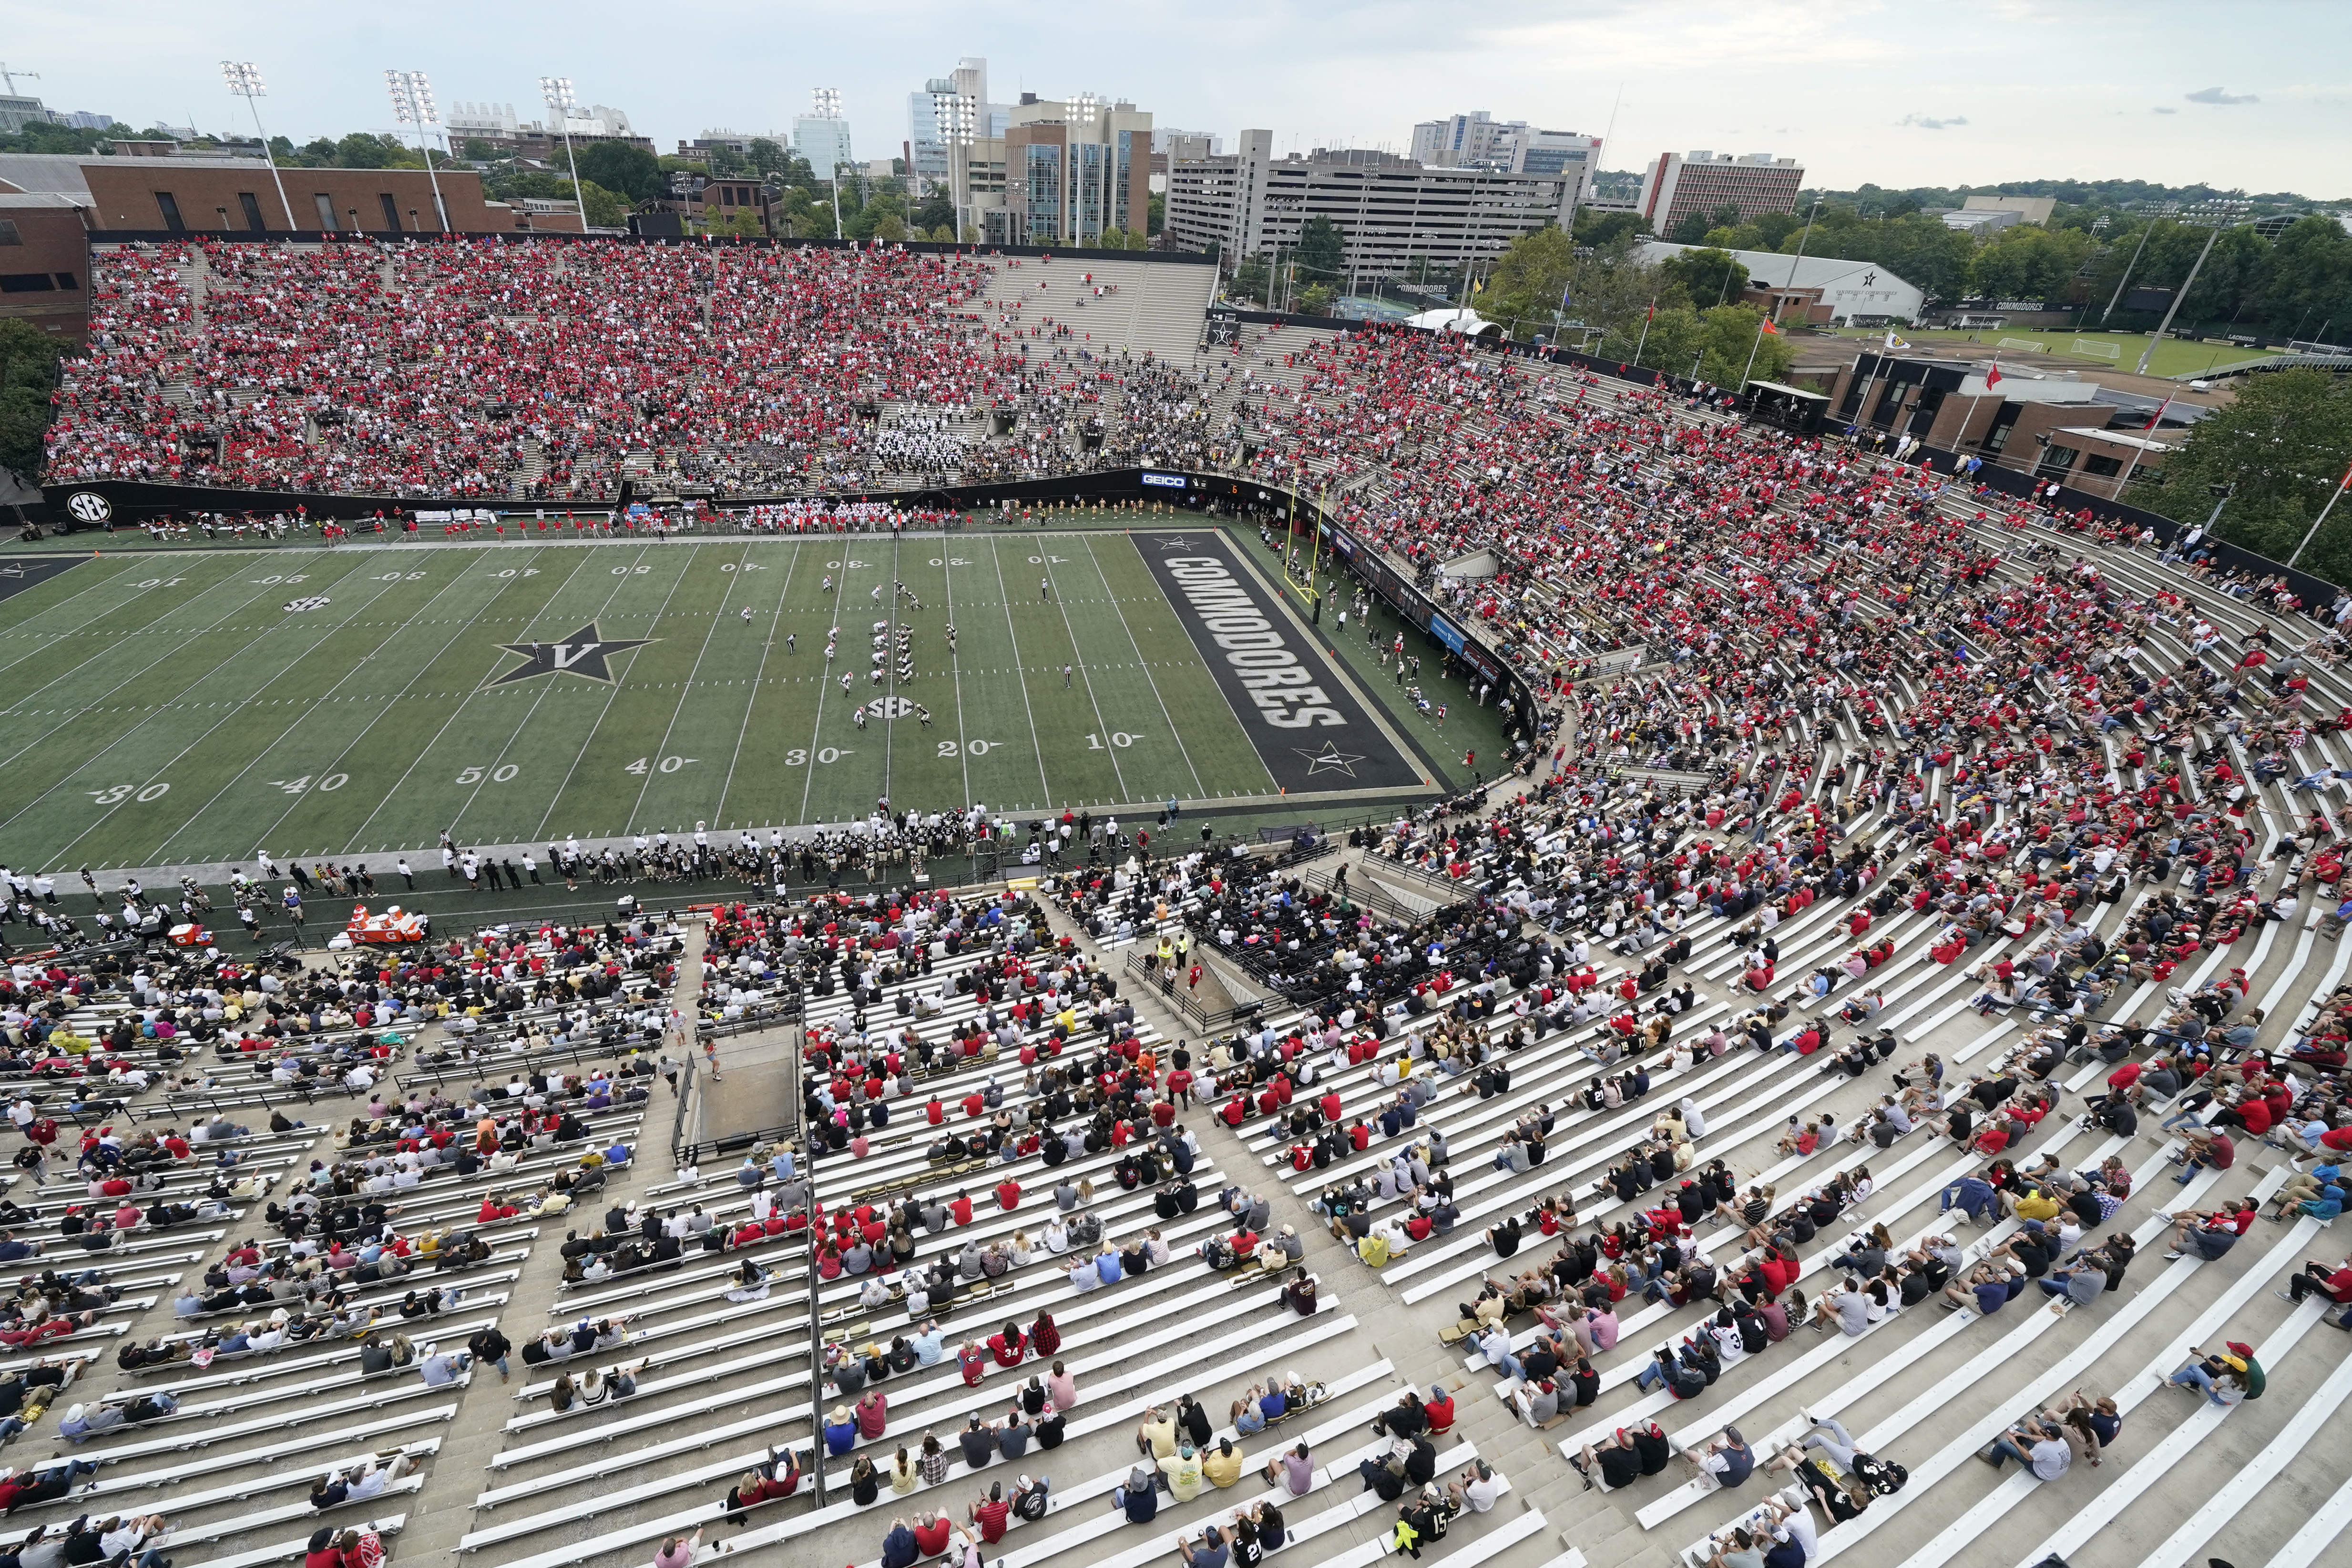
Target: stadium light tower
557	92
956	115
244	80
411	104
826	105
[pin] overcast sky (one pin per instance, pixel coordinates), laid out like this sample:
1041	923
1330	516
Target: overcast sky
2253	93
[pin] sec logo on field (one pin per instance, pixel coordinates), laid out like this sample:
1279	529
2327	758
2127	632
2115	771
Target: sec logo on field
88	506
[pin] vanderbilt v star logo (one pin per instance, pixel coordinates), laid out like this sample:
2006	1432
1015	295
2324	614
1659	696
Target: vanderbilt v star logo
583	653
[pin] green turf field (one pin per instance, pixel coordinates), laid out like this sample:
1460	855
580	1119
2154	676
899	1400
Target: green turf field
2174	356
192	710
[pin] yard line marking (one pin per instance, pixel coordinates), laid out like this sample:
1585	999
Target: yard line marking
1141	665
1045	562
350	844
774	626
686	692
823	684
72	713
890	649
64	851
1035	744
955	673
98	584
537	697
611	693
328	695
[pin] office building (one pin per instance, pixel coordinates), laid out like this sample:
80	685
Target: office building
1462	140
821	137
926	149
1043	171
1703	183
1396	216
19	109
83	120
1167	141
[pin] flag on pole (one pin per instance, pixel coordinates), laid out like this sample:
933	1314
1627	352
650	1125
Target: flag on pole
2154	418
1992	376
1894	343
1770	328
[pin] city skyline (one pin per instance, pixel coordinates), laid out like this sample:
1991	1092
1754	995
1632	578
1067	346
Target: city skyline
1862	92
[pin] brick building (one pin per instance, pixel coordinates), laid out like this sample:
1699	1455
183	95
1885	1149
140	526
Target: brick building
1678	187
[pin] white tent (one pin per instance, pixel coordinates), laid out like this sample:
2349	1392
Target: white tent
1453	318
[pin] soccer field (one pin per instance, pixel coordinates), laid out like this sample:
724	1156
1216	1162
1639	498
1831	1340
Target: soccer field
192	710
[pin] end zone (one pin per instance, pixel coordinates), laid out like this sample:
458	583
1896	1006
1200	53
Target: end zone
1305	722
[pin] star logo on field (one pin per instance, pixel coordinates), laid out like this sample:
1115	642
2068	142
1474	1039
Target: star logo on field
1331	757
583	653
1179	543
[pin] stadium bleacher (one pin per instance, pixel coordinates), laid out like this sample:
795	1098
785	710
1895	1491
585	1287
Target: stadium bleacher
1913	878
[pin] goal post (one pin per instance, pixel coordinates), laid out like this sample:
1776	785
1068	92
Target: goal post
2091	350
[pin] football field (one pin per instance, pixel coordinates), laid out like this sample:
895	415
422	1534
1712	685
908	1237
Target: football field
192	708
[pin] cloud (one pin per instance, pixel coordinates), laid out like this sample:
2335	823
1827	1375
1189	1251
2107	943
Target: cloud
2215	94
1925	122
2162	110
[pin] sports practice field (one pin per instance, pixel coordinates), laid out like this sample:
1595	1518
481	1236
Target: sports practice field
192	710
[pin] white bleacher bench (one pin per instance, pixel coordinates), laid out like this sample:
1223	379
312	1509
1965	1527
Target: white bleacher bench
294	1550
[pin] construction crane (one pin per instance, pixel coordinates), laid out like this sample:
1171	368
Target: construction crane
10	77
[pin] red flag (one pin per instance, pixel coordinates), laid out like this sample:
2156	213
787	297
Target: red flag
1771	328
1653	314
2158	414
1992	376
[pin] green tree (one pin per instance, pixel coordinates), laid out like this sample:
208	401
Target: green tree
1600	229
1921	251
2310	281
1314	300
937	211
1767	231
479	150
41	137
2283	446
766	155
363	149
29	376
2028	262
619	166
1252	278
603	208
1157	215
1672	342
1322	252
1689	229
1730	335
1523	290
1709	276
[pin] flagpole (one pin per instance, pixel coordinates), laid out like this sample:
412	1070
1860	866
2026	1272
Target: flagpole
1646	319
1762	325
2308	538
2134	463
